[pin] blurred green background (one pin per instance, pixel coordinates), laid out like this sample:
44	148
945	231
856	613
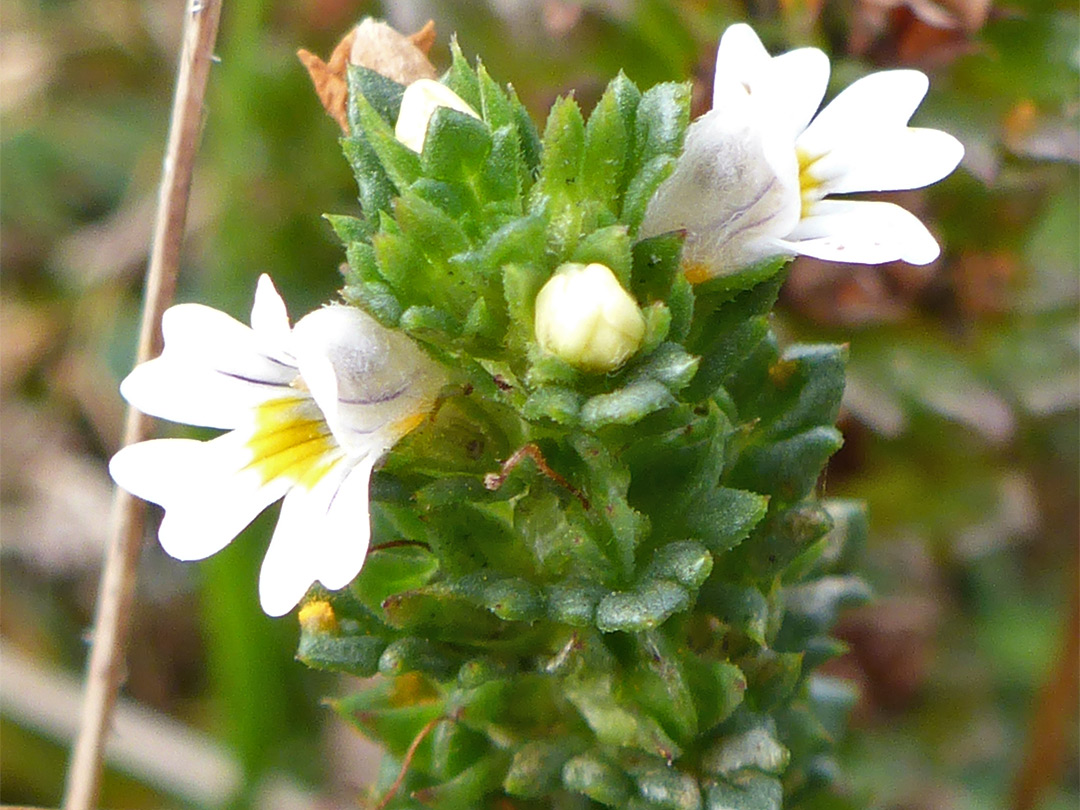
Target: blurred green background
961	417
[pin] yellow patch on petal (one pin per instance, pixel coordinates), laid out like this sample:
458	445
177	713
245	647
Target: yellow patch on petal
290	440
808	184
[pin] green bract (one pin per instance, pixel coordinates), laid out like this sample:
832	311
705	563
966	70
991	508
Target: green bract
629	613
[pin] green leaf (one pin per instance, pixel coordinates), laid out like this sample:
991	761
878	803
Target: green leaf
743	608
771	678
756	749
613	722
573	601
535	769
642	187
437	611
558	188
595	777
412	654
607	246
466	790
461	78
722	518
559	539
388	571
528	137
494	105
718	688
625	406
780	539
688	563
402	164
374	184
669	788
749	791
661	120
659	684
349	229
607	141
650	606
669	364
514	599
355	655
383	94
559	404
456	148
657	264
788	468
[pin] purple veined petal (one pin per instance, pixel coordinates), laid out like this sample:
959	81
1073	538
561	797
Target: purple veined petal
208	495
183	390
363	376
201	335
862	233
873	104
890	160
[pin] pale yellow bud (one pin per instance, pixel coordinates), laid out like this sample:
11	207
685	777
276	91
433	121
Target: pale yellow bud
418	104
584	316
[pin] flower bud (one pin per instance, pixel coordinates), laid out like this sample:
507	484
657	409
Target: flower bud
418	104
584	316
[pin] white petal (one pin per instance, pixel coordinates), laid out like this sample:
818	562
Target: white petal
739	57
208	337
732	190
269	318
792	88
418	104
364	377
181	390
863	233
343	540
888	161
207	494
880	101
787	89
318	530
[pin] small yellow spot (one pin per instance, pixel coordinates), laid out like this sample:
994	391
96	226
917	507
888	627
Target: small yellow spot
408	424
411	689
696	272
318	617
780	372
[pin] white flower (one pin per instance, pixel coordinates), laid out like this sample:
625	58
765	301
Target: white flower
755	170
584	316
310	411
418	104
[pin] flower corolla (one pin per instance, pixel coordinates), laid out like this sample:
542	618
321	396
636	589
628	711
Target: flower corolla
756	170
584	316
418	104
309	410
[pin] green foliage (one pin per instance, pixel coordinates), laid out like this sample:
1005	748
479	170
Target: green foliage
623	615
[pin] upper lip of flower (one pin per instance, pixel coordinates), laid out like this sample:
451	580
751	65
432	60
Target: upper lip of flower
859	142
310	410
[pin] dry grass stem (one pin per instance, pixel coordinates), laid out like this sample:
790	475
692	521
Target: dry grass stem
116	592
